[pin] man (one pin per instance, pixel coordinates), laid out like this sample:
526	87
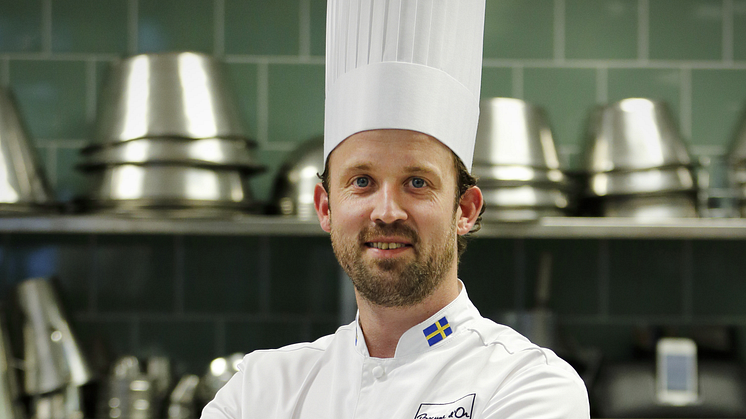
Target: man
403	81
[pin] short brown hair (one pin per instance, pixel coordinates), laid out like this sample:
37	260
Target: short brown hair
464	181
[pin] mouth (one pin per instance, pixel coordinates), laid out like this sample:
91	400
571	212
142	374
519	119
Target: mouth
387	245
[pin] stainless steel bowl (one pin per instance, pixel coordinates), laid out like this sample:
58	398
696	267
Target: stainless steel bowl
515	175
222	152
175	94
506	214
129	186
525	196
297	178
633	134
671	205
23	183
512	132
641	181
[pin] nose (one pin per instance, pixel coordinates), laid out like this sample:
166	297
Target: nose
387	207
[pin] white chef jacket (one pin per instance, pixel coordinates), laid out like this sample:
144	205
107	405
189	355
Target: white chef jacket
455	364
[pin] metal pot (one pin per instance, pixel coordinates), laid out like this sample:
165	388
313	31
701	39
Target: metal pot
297	178
524	196
670	205
679	178
174	94
516	175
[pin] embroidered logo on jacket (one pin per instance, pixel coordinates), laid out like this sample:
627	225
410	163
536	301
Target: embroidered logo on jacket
461	408
437	331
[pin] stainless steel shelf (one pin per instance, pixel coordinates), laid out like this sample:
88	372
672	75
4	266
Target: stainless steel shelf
550	227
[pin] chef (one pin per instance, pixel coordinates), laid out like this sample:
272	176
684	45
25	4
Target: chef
402	104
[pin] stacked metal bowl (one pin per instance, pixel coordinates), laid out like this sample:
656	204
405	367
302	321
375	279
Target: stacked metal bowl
637	162
737	165
169	140
297	178
23	183
517	164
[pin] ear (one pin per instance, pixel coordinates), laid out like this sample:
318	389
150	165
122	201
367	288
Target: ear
470	206
321	203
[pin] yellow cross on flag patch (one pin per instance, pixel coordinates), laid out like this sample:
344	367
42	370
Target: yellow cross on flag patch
437	331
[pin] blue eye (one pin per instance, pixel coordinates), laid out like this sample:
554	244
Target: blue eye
418	182
362	182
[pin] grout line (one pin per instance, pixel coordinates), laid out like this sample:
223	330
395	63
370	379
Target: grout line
604	279
274	59
636	320
179	273
709	150
602	85
69	56
90	77
520	274
65	142
728	31
219	21
280	146
203	317
591	63
92	278
643	30
685	104
304	40
50	168
46	27
687	287
262	104
132	26
559	30
265	275
517	76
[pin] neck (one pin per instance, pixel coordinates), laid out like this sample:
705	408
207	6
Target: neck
384	326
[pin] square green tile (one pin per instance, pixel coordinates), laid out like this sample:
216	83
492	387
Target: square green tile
719	287
308	285
739	30
686	29
318	27
601	29
221	274
488	271
296	102
245	337
653	83
567	95
718	100
92	26
243	79
262	185
135	274
66	259
645	277
175	25
519	29
574	274
20	26
262	27
189	344
496	82
71	182
52	97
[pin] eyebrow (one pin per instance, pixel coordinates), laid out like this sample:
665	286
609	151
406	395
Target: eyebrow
364	166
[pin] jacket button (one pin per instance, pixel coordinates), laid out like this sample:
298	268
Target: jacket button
377	372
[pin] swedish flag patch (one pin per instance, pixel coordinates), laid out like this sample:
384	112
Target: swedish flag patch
437	331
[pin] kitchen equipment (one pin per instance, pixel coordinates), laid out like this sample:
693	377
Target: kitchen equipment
628	390
676	178
23	184
220	371
516	175
513	132
297	178
633	134
223	153
524	196
671	205
10	406
133	189
53	357
519	214
182	400
172	94
128	392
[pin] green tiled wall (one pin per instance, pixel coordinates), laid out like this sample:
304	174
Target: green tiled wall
200	297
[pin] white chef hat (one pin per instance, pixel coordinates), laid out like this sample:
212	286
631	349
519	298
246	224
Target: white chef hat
404	64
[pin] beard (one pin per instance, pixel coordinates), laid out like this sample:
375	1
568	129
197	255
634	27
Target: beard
395	282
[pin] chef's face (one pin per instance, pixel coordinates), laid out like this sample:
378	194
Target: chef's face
390	210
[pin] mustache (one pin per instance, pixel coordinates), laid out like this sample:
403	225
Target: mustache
395	229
